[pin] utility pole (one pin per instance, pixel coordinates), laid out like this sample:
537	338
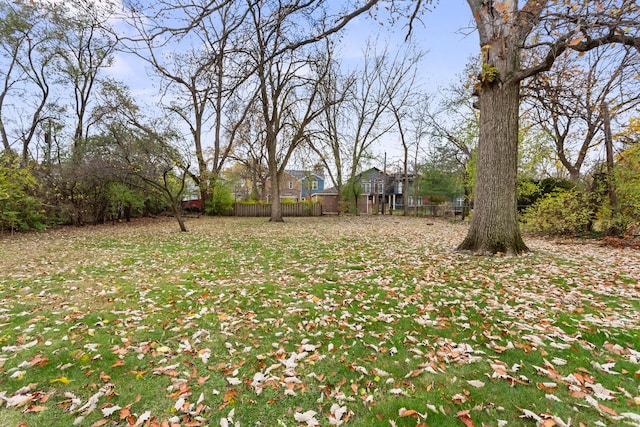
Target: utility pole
384	181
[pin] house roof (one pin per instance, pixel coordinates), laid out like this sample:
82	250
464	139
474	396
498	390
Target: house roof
327	192
373	171
302	174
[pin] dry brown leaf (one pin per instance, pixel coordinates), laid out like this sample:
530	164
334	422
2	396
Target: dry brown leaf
125	412
35	408
465	418
548	387
118	363
575	41
407	413
607	410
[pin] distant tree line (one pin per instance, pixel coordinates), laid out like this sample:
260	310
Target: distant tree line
246	88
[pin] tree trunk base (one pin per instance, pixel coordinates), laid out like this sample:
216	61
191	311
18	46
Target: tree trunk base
487	246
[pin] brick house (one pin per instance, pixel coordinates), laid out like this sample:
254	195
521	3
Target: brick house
290	188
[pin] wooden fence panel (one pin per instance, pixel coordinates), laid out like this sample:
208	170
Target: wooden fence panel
288	209
253	210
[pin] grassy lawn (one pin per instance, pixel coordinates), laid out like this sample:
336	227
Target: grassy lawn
356	321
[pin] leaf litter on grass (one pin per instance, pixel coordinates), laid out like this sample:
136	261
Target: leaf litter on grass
329	321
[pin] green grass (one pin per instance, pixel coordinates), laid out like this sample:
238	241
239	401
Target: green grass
375	315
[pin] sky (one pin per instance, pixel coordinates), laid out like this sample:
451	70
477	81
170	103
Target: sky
444	33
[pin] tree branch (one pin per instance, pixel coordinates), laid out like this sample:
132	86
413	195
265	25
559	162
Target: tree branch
564	43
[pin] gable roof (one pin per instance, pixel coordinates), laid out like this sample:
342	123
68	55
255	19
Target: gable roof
373	171
302	174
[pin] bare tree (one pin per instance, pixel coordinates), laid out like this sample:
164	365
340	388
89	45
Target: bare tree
203	81
29	40
328	142
218	68
85	48
402	97
11	42
568	100
288	86
360	114
250	154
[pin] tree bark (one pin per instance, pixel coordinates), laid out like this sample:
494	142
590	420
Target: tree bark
276	208
494	225
176	212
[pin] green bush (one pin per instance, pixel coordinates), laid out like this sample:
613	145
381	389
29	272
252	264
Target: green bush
222	202
559	213
531	190
124	200
625	217
19	209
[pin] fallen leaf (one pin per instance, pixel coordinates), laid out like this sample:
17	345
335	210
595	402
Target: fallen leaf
476	383
35	408
407	413
607	410
465	418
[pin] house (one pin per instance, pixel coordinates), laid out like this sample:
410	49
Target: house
401	197
382	192
311	182
374	186
290	188
297	185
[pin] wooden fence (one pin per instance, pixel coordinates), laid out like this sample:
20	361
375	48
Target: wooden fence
288	209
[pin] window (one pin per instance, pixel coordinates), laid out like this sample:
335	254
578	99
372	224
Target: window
399	188
314	185
379	186
366	187
290	185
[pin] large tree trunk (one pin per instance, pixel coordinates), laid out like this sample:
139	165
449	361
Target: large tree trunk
276	208
494	226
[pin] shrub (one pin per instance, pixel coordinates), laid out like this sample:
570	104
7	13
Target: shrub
559	213
222	201
531	190
19	209
124	201
624	218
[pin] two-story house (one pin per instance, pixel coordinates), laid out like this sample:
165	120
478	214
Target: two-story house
297	185
375	191
381	191
311	182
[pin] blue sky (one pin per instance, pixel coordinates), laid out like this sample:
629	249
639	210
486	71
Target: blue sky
444	33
